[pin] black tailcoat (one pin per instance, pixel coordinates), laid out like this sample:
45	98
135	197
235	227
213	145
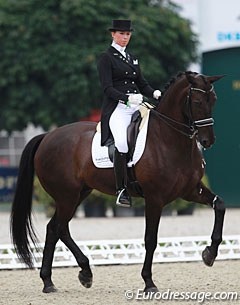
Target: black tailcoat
119	76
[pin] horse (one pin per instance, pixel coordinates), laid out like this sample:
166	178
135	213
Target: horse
172	166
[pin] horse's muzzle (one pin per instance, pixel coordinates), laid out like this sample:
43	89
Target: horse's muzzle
206	141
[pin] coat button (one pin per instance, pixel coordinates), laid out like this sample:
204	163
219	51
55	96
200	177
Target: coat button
128	91
126	72
133	82
134	73
125	82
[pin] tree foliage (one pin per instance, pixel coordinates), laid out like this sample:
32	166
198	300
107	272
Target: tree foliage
49	51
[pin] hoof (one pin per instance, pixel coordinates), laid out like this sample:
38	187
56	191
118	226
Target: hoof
85	280
208	257
151	290
49	289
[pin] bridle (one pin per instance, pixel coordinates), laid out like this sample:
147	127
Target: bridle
191	129
203	122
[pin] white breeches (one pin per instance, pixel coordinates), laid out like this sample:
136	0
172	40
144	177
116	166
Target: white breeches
119	121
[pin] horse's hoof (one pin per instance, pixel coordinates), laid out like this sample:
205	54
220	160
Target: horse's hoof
208	257
151	290
49	289
85	280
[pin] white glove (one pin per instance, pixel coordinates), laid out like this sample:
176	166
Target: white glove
135	99
157	94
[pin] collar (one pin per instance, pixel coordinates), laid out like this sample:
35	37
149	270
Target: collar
119	48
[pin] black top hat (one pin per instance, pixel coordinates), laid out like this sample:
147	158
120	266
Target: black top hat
121	25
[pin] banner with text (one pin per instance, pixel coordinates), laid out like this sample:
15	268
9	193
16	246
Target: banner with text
8	179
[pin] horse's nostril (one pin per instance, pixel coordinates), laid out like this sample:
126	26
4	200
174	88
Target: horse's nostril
206	143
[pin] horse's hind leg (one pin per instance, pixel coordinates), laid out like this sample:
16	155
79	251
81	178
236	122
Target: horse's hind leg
52	237
85	275
58	229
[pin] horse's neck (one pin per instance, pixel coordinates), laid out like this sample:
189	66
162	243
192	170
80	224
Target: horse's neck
173	100
172	106
175	146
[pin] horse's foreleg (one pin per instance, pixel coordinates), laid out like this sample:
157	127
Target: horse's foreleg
203	195
48	252
153	214
210	253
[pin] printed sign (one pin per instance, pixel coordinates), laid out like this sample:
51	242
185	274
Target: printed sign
8	179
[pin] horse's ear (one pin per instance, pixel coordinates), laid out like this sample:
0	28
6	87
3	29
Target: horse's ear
190	77
213	79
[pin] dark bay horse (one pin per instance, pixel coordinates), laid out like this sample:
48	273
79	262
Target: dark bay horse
171	167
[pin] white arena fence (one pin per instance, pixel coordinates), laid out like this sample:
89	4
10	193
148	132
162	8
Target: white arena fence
129	251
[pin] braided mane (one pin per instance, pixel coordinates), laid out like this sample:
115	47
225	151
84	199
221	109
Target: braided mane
175	78
170	83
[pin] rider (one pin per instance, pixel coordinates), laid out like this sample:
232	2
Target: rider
123	85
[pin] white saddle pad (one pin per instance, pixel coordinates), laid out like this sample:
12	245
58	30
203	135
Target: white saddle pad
100	153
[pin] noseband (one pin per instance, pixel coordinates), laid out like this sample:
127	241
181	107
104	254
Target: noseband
191	129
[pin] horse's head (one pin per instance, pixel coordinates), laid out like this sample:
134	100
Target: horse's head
199	106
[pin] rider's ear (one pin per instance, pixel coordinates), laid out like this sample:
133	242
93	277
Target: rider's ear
213	79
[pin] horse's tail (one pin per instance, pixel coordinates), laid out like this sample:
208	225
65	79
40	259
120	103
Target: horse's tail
21	223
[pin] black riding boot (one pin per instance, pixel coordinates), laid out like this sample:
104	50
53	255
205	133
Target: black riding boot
120	170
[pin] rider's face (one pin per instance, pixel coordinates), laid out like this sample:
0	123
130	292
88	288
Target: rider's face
121	38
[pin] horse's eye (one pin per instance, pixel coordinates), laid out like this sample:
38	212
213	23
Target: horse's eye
197	102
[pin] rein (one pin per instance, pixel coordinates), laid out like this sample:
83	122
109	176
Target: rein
192	128
192	131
